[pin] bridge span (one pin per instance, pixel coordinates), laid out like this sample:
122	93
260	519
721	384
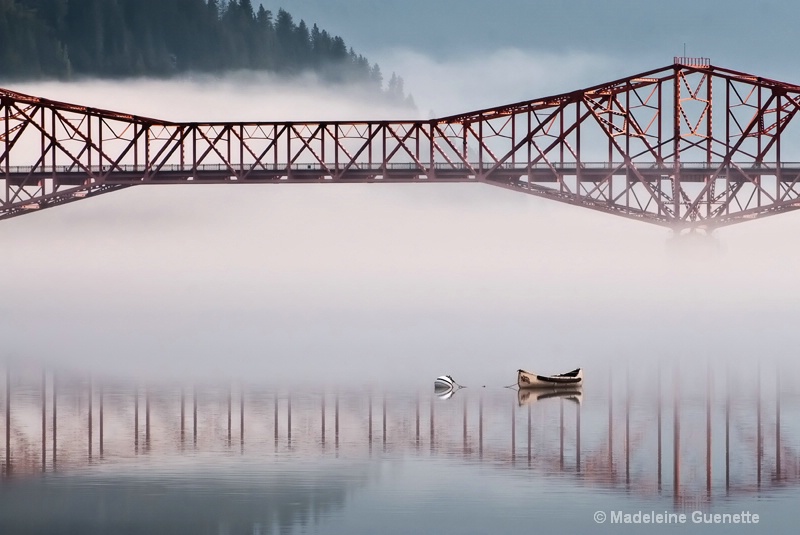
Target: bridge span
686	146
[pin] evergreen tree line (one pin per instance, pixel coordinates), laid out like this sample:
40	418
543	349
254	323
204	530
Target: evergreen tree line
119	38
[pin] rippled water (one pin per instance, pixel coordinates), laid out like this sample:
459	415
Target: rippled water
92	456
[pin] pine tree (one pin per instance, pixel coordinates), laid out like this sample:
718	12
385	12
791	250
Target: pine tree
62	38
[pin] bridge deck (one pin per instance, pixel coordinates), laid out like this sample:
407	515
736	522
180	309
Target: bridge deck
278	173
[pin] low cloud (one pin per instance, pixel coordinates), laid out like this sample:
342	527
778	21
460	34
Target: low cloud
237	96
368	280
448	86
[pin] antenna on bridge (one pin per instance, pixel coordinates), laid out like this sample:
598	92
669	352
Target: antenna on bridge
691	62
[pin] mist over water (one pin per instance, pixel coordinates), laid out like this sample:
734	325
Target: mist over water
368	283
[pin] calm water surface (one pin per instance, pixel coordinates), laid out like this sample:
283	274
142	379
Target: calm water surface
84	455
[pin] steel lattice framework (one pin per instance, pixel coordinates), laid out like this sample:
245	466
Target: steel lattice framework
690	145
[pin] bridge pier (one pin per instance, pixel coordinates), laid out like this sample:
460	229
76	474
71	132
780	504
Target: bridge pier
694	243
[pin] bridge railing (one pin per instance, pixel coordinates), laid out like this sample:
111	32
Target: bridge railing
692	62
411	166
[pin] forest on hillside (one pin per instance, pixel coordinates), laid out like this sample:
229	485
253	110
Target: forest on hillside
66	39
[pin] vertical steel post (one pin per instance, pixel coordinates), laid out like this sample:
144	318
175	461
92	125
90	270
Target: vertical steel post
336	419
709	395
8	419
241	150
561	433
7	150
100	153
432	172
530	455
710	190
610	423
480	427
385	163
275	419
728	429
660	112
147	417
336	150
676	436
384	421
183	415
55	420
194	414
194	150
90	417
513	431
578	438
289	419
658	424
433	437
676	176
727	161
465	427
322	415
416	401
136	418
759	436
627	424
89	141
778	472
480	148
778	166
44	420
369	419
100	400
43	141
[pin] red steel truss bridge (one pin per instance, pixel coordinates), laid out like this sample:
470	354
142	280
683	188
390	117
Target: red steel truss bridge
686	146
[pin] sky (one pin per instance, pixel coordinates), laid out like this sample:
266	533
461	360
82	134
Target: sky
738	34
376	283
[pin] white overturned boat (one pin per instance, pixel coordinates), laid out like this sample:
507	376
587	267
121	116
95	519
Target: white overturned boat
573	379
444	382
445	386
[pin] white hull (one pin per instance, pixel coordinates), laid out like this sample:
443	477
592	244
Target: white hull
444	382
573	379
445	386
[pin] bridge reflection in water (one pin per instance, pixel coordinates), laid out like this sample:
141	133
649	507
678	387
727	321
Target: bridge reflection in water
693	437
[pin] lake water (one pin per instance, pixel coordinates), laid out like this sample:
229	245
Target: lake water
89	455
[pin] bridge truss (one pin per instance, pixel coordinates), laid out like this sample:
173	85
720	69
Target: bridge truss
687	146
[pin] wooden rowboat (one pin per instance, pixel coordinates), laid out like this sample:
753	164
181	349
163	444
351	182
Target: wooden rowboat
573	379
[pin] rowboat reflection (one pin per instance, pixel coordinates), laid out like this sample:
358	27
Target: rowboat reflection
529	397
